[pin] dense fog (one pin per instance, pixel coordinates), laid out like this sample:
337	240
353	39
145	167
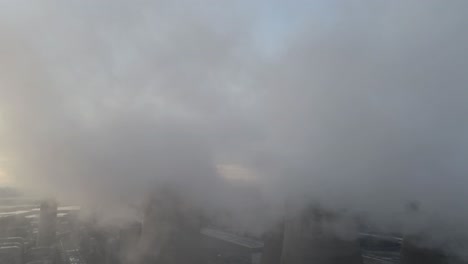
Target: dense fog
241	105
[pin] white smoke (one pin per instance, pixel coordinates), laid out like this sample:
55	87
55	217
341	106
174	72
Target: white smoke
361	107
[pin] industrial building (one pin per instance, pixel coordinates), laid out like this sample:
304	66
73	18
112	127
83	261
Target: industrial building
174	232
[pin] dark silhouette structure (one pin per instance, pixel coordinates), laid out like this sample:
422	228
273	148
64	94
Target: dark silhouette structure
309	238
171	230
47	223
273	245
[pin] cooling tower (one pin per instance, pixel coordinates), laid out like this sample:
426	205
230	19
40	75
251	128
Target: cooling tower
47	224
312	236
273	246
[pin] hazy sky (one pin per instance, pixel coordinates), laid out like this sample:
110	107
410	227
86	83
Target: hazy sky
50	29
357	104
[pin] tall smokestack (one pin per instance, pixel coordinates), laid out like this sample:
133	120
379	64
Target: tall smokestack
47	224
273	245
310	238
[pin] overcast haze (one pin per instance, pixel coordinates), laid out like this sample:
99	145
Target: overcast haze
357	104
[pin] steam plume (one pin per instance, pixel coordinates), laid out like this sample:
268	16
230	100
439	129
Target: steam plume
359	106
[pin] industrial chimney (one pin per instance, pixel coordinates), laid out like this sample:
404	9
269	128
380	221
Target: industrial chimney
47	223
311	237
